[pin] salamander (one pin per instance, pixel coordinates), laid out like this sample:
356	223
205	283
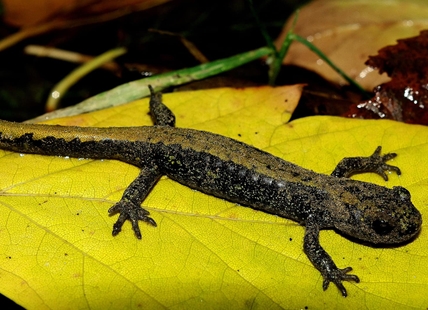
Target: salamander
229	169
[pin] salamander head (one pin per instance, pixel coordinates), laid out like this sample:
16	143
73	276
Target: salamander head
381	215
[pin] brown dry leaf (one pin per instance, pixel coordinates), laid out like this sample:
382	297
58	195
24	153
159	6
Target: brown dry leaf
405	97
42	17
348	31
22	13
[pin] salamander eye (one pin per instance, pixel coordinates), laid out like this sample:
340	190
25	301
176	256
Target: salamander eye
402	193
382	227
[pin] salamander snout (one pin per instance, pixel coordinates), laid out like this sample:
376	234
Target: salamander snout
395	219
382	215
409	218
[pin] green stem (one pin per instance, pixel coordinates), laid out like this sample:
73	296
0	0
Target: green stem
138	89
291	36
277	61
262	28
320	54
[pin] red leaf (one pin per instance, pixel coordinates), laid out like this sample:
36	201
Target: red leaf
405	97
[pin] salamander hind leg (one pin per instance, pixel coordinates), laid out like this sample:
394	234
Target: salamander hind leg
129	206
160	113
374	163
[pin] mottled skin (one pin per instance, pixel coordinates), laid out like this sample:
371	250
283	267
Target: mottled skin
232	170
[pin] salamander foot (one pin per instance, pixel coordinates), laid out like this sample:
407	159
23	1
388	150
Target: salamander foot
129	211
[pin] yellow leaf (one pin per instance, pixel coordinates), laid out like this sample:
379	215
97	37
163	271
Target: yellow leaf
55	233
348	31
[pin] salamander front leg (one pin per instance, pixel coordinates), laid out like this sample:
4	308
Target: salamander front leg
374	163
129	206
323	262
